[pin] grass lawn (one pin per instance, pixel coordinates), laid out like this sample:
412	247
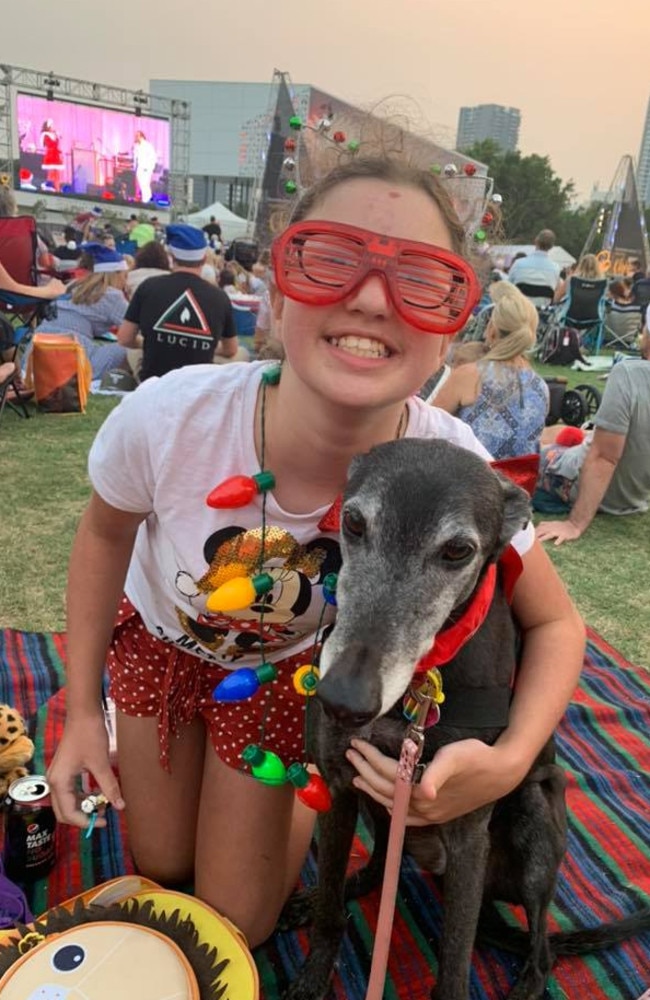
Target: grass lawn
44	487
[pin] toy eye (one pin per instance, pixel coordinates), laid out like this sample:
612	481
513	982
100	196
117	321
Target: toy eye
353	523
455	552
69	958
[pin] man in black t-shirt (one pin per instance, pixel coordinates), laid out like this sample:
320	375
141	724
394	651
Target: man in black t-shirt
212	229
183	319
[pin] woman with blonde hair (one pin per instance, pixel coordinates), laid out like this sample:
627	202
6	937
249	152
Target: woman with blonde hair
500	396
587	267
93	307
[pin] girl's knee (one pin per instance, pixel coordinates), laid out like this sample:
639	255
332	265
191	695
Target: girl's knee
165	871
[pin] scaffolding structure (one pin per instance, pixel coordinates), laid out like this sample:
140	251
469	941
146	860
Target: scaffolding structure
619	233
53	86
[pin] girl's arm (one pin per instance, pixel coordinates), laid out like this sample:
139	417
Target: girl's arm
99	561
468	774
52	290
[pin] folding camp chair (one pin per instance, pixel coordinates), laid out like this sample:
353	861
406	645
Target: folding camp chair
622	326
584	310
641	294
20	313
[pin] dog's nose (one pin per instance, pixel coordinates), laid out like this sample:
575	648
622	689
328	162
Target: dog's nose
349	696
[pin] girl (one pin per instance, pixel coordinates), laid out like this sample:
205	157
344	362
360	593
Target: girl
500	396
356	345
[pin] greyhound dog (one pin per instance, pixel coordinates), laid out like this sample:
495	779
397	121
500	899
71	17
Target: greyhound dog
422	523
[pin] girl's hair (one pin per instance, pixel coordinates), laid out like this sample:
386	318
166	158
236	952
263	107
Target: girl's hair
588	267
394	172
92	288
241	276
226	278
618	289
152	254
8	207
515	320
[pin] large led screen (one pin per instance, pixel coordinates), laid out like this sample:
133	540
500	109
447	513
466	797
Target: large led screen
77	149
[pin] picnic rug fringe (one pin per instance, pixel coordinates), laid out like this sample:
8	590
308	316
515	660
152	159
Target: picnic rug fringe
604	744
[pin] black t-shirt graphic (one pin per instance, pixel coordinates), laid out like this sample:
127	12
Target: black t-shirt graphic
181	318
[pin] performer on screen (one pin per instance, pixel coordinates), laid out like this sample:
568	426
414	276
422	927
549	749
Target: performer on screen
53	165
144	159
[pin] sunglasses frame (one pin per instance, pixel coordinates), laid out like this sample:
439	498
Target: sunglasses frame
380	256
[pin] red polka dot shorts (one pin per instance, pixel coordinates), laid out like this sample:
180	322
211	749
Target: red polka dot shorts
149	677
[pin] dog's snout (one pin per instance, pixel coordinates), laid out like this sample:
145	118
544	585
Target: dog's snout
350	694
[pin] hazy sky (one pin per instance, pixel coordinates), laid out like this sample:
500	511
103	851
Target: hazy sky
579	72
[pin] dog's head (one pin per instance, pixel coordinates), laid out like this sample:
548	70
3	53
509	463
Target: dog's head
420	521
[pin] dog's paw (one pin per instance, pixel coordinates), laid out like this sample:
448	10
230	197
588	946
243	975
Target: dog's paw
298	911
313	981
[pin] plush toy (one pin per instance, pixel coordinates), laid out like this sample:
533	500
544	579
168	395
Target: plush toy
16	748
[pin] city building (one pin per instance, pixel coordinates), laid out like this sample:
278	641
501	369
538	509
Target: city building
643	169
488	121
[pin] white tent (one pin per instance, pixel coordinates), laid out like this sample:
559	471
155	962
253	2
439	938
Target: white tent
503	254
232	225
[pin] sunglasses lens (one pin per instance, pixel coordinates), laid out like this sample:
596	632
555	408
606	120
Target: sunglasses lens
318	263
434	291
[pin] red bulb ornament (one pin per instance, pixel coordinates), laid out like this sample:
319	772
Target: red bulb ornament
310	788
238	491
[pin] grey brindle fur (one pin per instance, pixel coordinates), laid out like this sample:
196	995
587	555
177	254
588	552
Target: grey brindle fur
421	520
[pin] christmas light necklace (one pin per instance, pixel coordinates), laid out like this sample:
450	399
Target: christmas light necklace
238	593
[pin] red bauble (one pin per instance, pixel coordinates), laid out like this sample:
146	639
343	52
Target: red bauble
339	137
488	218
469	169
568	437
289	145
315	794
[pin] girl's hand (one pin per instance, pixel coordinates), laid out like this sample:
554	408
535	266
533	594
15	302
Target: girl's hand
462	777
84	747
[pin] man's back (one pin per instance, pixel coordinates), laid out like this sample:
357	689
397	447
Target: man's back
625	409
181	318
535	269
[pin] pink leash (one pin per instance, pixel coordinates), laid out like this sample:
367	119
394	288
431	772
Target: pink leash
409	757
408	761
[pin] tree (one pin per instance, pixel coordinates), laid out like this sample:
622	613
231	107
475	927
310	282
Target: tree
534	197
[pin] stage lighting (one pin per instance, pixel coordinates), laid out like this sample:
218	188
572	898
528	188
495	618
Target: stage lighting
140	100
49	82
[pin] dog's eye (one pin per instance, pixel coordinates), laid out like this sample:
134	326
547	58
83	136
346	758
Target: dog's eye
353	523
455	552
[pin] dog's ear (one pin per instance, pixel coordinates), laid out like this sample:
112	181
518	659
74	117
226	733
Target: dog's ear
516	510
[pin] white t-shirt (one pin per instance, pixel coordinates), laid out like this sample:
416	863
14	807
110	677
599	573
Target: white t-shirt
162	450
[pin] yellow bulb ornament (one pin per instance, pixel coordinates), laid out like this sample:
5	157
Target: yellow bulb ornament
239	593
305	679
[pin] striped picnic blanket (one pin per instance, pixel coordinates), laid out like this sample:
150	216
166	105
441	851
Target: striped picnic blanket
604	744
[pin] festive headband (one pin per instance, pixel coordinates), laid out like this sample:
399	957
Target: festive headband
478	212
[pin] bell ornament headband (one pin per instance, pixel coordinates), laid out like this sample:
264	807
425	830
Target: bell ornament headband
476	203
321	263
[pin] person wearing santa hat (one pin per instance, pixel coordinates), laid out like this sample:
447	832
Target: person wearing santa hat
93	308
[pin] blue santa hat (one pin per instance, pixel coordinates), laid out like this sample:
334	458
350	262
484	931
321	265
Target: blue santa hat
104	259
186	242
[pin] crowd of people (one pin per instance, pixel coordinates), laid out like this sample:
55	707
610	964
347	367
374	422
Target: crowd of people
355	352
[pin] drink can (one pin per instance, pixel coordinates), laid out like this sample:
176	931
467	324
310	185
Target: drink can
30	828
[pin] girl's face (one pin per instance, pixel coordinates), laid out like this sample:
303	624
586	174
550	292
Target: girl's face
360	352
